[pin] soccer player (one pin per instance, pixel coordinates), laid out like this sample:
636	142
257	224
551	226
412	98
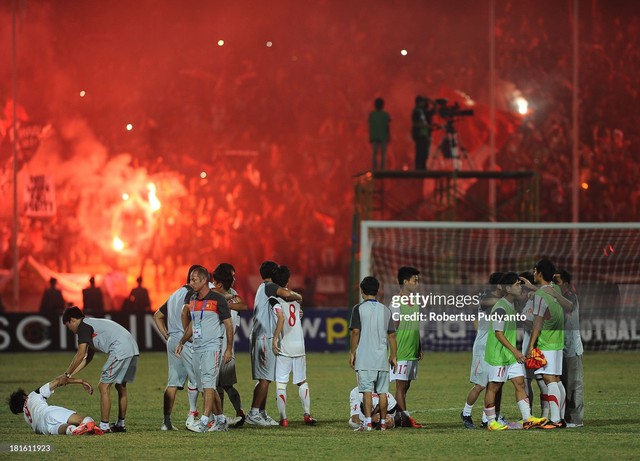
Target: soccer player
120	368
357	410
49	419
572	376
223	280
373	348
504	360
548	336
288	347
526	301
206	316
409	345
168	319
478	375
263	360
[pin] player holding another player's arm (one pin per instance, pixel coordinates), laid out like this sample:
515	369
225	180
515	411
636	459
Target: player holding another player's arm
505	361
48	419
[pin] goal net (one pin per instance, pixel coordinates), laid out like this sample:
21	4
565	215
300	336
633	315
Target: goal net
457	258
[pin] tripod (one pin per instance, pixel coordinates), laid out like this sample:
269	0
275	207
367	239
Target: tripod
451	148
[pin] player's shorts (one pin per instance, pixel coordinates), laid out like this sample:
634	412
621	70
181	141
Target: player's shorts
120	371
54	417
407	370
478	373
287	365
227	375
263	360
554	363
501	374
373	381
180	367
207	366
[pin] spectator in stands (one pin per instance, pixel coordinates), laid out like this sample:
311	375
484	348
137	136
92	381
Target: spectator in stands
92	299
138	300
52	301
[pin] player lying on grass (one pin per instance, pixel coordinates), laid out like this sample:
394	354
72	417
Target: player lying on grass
48	419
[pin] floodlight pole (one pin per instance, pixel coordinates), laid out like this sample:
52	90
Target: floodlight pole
575	106
14	72
492	128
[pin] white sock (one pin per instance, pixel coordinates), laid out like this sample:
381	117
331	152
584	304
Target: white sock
192	393
563	399
467	409
303	392
281	402
204	420
491	414
87	419
554	401
544	398
70	429
104	426
254	411
525	409
485	419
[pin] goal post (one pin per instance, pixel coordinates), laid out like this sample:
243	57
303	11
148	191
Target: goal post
603	258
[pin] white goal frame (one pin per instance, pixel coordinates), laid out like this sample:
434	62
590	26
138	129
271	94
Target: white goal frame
365	244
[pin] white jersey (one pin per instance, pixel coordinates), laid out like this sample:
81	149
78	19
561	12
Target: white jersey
527	310
355	401
175	303
480	343
291	337
235	322
263	324
36	409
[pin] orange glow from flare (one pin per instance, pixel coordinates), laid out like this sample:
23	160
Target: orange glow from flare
118	244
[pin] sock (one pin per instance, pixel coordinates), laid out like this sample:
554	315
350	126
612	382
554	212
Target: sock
525	409
192	393
120	422
367	421
70	429
221	419
528	388
234	397
204	420
485	419
383	423
87	419
104	425
167	420
563	399
544	398
491	414
281	400
554	402
254	411
303	392
467	409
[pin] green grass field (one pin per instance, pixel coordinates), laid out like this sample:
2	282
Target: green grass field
611	427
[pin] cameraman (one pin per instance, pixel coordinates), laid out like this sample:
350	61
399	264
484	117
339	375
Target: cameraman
421	119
